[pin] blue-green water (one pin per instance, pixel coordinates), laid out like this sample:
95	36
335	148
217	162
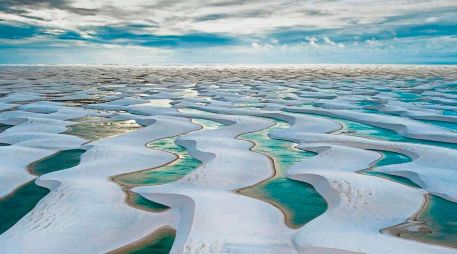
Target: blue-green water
160	242
390	158
299	201
445	125
173	171
207	124
368	131
18	203
409	97
58	161
4	127
183	165
449	113
142	203
441	216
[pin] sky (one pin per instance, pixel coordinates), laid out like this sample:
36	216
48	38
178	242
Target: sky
227	31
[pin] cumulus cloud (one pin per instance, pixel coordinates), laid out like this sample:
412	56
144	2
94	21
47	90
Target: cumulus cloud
372	41
312	41
328	41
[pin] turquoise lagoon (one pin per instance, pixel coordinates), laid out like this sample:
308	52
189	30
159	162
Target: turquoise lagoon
299	201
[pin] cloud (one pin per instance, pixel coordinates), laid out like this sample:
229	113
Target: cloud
198	25
372	41
312	41
328	41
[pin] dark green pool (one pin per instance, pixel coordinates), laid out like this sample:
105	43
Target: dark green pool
18	203
58	161
140	202
159	243
4	127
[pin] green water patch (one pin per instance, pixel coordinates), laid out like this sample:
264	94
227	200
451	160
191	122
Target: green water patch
58	161
368	131
18	203
79	102
183	165
445	125
139	202
409	97
440	215
173	171
89	119
207	124
299	201
449	113
367	103
4	127
390	158
96	130
196	111
160	242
